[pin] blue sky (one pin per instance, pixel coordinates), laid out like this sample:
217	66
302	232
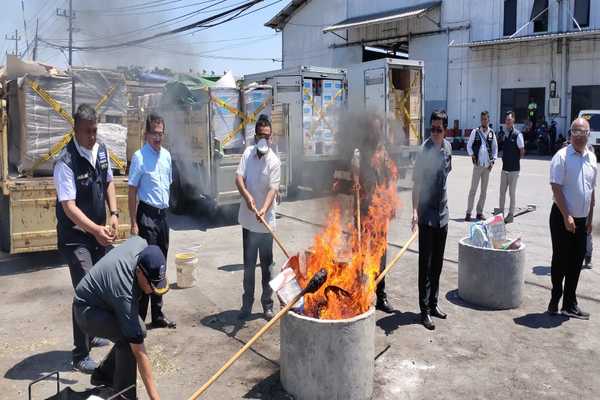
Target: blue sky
249	45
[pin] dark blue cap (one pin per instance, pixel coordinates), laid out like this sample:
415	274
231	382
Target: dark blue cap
153	265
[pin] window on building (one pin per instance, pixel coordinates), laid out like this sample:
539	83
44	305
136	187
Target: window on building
584	98
581	13
539	10
517	100
510	17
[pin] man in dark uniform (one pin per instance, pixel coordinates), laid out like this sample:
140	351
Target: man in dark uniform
150	178
430	214
83	180
106	304
373	173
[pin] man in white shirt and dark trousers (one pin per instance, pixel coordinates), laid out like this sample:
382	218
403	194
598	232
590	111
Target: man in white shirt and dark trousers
257	179
573	174
483	149
84	184
513	149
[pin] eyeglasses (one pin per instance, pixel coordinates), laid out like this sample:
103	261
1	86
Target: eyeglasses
437	130
580	132
155	134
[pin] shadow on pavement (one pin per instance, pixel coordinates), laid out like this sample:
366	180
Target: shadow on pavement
540	320
541	270
269	388
231	268
38	365
17	264
392	322
228	323
453	297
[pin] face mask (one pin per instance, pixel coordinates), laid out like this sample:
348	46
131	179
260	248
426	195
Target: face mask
262	146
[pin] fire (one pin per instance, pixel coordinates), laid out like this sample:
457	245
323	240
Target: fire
352	264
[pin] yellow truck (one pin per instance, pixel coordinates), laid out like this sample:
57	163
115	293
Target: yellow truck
27	203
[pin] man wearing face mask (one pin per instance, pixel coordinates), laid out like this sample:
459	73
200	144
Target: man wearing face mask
150	178
257	179
84	184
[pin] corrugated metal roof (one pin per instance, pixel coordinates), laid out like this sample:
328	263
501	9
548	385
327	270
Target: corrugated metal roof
529	38
383	17
282	18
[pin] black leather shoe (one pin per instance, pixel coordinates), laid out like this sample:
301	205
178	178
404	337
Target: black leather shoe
553	307
468	218
480	217
244	313
427	322
163	322
384	305
438	313
575	312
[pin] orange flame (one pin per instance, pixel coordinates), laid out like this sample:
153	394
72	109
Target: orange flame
352	265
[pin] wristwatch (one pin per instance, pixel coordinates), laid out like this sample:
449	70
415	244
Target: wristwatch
115	213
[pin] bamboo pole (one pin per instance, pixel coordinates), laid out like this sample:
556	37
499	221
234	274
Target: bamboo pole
397	257
315	283
262	219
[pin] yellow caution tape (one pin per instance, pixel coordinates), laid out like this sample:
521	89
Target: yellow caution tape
50	101
67	137
321	111
247	119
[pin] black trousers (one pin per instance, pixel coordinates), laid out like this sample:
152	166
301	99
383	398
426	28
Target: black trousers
119	366
257	244
568	252
153	226
380	290
432	243
81	258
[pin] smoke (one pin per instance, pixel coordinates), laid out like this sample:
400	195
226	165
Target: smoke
108	23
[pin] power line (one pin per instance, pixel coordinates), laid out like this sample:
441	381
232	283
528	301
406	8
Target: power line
137	12
199	24
180	18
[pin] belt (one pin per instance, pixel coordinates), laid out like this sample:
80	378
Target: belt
151	210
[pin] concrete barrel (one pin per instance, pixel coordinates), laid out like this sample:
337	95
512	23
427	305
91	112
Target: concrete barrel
328	359
490	278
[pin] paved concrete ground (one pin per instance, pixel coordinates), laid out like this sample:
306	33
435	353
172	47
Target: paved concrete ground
474	354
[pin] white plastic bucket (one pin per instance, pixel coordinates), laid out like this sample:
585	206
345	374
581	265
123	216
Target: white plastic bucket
186	264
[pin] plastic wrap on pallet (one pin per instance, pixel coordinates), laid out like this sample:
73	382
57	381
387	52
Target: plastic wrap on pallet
114	136
252	99
92	84
35	126
223	121
322	102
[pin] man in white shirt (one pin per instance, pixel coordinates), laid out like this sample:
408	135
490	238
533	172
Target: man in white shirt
84	184
483	149
257	179
573	174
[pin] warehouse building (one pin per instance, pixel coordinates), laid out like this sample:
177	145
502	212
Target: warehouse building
479	54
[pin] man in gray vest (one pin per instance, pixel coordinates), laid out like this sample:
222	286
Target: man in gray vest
483	149
84	184
513	149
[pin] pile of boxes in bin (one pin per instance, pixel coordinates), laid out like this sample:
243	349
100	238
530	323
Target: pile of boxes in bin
491	234
322	98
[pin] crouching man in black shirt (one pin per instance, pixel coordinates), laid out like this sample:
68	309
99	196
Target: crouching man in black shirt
106	305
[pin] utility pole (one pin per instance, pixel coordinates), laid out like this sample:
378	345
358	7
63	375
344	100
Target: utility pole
16	38
35	43
61	12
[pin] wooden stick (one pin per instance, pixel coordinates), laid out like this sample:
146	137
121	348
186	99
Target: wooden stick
395	260
262	219
312	286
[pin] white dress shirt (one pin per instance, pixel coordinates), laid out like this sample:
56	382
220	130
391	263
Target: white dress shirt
576	174
260	176
64	181
483	157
